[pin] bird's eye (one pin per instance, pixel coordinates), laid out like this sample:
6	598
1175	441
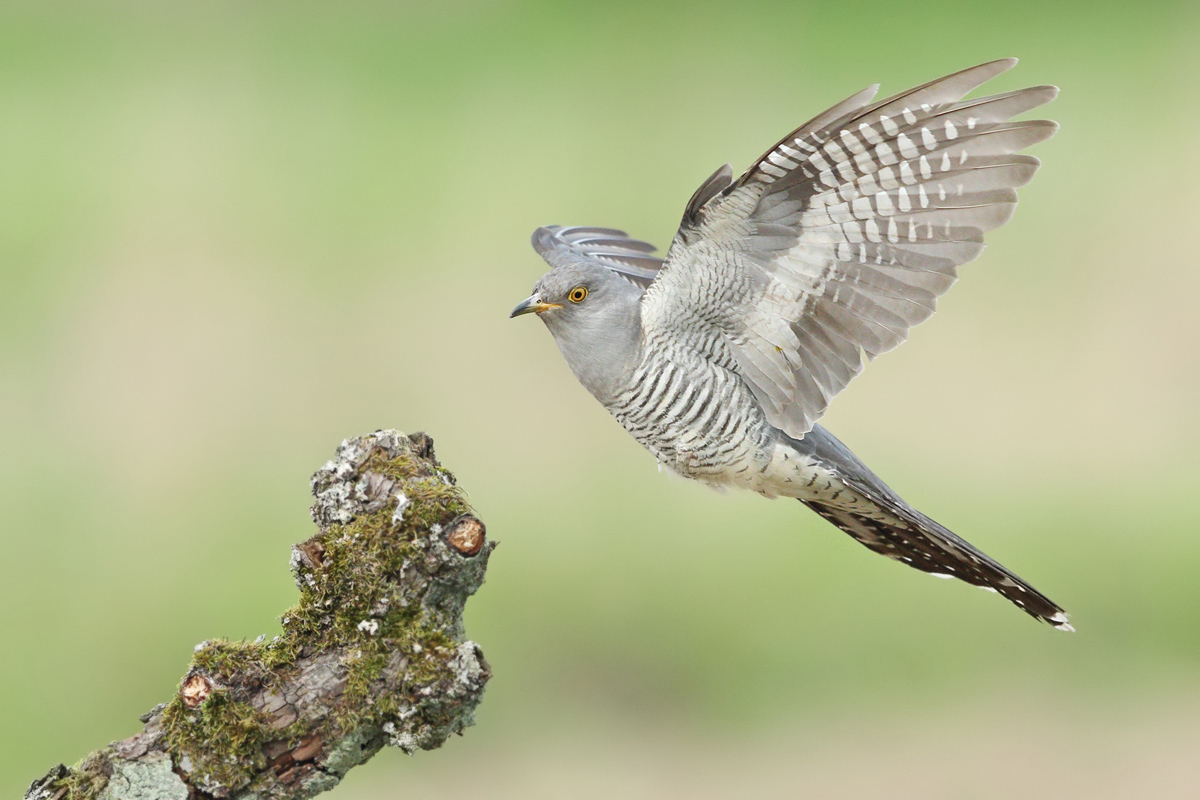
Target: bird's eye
577	294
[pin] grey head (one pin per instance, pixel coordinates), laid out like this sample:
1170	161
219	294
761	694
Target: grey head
593	314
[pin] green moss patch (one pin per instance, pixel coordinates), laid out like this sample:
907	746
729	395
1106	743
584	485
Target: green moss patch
221	725
87	779
361	596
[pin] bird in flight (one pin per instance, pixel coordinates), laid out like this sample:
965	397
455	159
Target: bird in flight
720	358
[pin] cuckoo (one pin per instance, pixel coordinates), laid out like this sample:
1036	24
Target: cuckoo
721	357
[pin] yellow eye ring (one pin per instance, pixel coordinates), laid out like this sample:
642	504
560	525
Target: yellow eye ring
577	294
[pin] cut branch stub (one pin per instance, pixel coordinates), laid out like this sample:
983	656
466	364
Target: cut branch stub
373	653
466	534
195	689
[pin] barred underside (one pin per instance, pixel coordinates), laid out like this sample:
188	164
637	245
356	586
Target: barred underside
694	414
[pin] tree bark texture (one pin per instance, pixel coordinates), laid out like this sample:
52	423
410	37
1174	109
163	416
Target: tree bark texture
373	654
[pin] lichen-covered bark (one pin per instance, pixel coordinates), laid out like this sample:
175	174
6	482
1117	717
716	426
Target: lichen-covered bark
373	654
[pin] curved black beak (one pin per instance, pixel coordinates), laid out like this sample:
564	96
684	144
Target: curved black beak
531	305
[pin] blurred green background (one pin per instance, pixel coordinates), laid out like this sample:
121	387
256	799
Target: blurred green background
232	234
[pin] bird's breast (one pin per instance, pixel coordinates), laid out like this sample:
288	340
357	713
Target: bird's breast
697	418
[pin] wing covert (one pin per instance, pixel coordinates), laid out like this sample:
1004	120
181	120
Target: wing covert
613	249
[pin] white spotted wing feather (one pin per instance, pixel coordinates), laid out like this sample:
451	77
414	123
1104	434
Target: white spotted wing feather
843	235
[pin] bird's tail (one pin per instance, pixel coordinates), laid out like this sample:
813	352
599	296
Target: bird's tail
880	520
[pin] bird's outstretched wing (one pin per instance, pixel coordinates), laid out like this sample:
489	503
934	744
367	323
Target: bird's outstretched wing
843	235
606	247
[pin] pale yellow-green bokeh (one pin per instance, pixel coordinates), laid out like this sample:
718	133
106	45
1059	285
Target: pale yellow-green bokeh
232	234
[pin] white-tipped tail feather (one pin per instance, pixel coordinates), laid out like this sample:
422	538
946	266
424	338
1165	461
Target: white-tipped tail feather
855	500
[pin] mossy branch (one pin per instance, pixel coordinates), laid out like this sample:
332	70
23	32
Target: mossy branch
373	654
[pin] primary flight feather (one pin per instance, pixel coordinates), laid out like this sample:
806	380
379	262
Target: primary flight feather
720	358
